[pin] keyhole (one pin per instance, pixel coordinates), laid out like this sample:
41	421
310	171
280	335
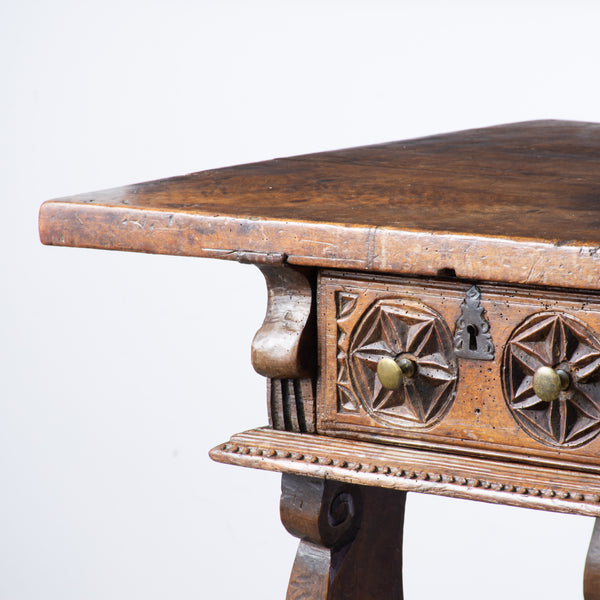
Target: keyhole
472	331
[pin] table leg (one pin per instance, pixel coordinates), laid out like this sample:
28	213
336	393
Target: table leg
350	539
591	576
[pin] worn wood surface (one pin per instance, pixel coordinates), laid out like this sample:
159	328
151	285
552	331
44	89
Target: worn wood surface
284	346
351	539
468	405
516	203
417	470
591	576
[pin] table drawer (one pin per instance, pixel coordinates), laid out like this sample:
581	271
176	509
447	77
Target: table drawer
469	355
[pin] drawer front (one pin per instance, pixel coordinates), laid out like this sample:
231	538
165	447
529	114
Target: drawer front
468	357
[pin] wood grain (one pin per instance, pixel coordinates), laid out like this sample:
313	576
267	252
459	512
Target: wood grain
445	474
591	576
514	209
515	203
351	539
291	404
283	348
480	419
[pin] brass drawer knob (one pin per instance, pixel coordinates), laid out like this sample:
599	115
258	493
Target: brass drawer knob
416	385
551	379
391	374
549	382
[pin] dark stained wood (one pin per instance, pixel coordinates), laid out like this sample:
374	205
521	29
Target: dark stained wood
591	576
513	210
416	470
351	539
516	203
291	404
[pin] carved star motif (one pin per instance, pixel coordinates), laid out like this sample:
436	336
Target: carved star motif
559	341
396	328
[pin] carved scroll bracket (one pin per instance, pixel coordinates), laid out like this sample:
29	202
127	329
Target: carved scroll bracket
350	539
285	345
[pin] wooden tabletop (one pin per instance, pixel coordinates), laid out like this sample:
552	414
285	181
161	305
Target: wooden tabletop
514	203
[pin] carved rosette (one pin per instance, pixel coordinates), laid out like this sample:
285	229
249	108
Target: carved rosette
558	341
397	328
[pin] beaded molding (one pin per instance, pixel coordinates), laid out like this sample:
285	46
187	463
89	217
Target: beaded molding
440	478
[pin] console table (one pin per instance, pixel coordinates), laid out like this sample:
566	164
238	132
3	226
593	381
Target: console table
433	325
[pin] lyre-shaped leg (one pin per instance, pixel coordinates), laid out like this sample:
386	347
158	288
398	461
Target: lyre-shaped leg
351	539
591	576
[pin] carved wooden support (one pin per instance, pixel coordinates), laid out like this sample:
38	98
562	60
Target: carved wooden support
284	347
591	576
291	404
351	539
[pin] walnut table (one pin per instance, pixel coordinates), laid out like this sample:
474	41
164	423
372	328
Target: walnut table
433	325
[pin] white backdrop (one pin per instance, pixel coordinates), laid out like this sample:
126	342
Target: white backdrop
116	369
